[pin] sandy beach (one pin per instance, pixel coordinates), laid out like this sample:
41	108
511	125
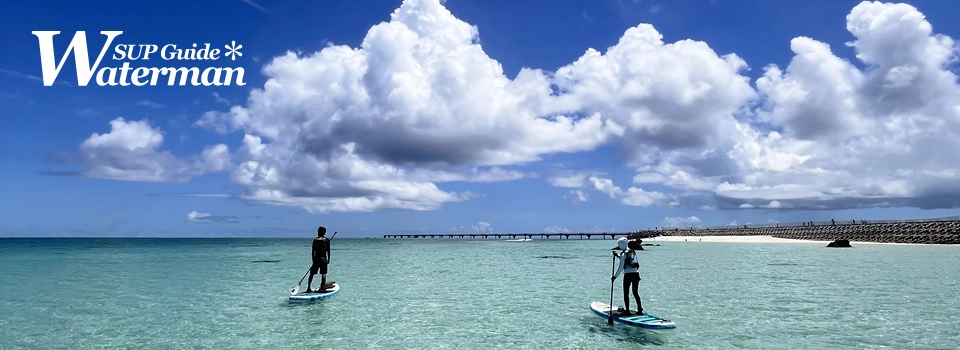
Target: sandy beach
748	239
730	239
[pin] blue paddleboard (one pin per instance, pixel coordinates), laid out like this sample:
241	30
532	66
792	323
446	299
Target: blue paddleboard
646	320
329	292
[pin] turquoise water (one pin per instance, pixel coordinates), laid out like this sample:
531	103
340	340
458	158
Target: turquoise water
463	294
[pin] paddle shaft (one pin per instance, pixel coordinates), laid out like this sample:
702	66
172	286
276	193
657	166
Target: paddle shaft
331	240
304	276
612	267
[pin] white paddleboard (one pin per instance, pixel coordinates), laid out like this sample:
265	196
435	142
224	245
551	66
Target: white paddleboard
646	320
329	292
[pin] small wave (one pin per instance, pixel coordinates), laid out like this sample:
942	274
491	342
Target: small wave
266	261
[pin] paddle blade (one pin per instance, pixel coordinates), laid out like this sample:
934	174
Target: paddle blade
295	290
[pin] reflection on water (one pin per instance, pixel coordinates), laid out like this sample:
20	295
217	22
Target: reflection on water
626	333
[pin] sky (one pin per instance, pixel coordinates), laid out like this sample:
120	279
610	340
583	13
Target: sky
465	116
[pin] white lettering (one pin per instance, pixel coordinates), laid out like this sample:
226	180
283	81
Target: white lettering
217	76
229	72
154	75
137	76
205	78
183	78
113	76
150	49
123	73
163	52
140	73
119	49
78	45
204	53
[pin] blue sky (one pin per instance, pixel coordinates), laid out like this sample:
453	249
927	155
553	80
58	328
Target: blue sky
431	147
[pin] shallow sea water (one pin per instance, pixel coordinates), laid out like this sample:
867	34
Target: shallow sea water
472	294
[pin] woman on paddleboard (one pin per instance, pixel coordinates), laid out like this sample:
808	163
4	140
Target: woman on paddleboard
630	267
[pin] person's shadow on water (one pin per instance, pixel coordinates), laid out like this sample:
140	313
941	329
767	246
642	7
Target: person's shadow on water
625	333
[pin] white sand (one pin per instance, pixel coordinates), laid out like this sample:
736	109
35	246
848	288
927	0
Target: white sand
752	239
730	239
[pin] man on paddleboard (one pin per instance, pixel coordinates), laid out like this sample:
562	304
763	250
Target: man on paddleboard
321	257
630	267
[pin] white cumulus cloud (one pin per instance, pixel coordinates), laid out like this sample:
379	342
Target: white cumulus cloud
419	103
483	227
633	196
577	180
379	126
556	229
825	133
131	152
199	217
888	134
690	221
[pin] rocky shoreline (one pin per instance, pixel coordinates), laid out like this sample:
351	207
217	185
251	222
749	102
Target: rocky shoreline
927	232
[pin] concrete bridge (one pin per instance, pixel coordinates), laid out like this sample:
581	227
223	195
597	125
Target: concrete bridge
927	231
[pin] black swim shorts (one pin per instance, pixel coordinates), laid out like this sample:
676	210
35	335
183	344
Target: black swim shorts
631	277
319	266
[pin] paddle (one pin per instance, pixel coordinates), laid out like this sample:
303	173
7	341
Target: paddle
296	289
612	266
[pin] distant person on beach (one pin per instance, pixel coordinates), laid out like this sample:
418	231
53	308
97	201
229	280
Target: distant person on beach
631	274
321	257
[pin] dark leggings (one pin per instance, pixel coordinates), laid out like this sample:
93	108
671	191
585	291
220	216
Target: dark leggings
631	280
